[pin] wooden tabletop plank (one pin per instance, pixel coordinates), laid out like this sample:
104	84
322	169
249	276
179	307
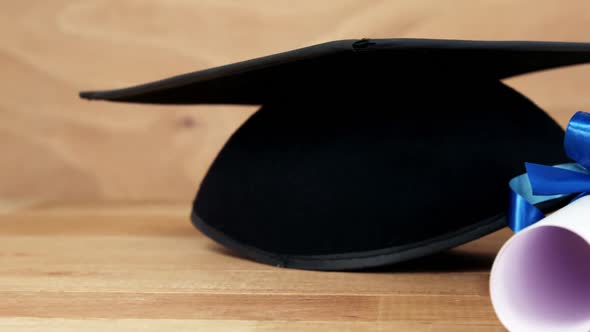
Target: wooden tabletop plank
191	325
145	262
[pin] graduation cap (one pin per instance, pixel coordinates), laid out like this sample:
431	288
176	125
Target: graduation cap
367	152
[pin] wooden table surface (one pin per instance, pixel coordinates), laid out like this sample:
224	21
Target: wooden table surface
143	266
95	197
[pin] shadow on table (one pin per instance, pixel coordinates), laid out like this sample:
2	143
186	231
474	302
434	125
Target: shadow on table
448	261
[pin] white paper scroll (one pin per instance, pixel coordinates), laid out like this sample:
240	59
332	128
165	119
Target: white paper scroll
540	280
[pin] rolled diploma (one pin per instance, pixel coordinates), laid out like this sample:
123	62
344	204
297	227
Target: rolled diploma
540	280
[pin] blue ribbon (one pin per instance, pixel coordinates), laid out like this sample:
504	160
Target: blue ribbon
544	183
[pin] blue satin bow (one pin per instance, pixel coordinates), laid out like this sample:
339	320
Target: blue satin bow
544	183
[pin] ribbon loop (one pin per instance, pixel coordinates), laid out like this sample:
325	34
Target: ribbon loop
555	180
577	139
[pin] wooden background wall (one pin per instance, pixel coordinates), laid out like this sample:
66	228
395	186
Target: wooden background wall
56	147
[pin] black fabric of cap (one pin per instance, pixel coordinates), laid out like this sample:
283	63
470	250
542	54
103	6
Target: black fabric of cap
367	152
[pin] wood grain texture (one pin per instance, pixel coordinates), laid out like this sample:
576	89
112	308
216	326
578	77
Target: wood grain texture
57	147
136	266
69	263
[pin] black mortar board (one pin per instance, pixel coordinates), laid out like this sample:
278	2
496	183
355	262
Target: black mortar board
367	152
